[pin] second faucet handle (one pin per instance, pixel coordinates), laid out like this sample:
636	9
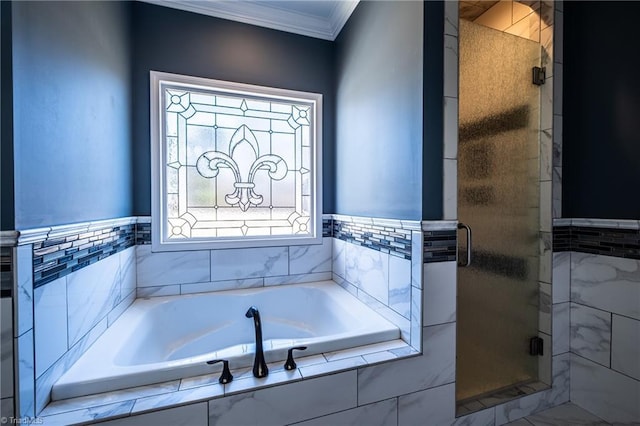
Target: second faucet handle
226	376
291	364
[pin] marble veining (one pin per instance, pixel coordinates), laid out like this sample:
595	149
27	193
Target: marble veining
92	292
26	374
544	308
88	415
24	288
249	263
297	279
154	269
85	402
45	381
338	257
295	402
368	270
400	286
50	323
439	293
311	258
561	277
383	413
451	18
561	323
608	394
565	414
591	333
221	285
436	366
6	349
608	283
439	402
479	418
625	348
176	398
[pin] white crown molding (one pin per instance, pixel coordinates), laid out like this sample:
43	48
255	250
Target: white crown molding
340	15
262	14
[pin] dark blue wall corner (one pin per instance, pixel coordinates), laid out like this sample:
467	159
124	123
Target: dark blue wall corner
433	124
180	42
379	111
72	117
7	219
601	111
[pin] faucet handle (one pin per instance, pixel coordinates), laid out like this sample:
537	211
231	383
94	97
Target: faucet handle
291	364
226	376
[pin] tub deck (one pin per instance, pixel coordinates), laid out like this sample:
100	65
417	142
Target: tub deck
171	337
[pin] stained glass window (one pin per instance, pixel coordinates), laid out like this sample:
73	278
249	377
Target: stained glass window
235	163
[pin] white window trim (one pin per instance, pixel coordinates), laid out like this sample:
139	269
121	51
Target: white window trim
158	205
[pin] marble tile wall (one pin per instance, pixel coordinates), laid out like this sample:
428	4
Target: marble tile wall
6	327
6	357
388	281
605	331
71	312
58	319
182	272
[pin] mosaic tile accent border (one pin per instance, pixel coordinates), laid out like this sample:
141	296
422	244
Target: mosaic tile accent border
327	227
56	257
6	271
392	240
143	233
439	245
616	242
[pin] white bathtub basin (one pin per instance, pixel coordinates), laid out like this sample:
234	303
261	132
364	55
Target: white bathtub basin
172	337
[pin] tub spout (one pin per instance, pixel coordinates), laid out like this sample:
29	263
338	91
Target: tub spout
259	365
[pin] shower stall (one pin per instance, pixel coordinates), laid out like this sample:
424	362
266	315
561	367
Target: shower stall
498	349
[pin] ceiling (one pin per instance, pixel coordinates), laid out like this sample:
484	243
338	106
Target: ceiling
314	18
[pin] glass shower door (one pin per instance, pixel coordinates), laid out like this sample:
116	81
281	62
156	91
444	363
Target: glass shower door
498	197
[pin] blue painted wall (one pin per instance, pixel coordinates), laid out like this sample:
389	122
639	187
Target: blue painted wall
433	124
72	115
379	111
186	43
6	120
601	111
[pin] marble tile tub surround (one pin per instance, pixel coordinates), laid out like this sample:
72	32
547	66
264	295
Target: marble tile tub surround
71	312
361	391
379	261
66	296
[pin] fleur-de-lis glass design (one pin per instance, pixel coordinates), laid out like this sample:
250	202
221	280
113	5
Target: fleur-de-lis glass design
244	161
237	164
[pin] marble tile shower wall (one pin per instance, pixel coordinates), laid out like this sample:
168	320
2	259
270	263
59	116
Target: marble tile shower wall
601	262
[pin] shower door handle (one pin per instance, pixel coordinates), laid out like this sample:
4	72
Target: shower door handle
468	229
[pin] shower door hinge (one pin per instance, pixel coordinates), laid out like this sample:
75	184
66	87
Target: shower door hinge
536	346
539	74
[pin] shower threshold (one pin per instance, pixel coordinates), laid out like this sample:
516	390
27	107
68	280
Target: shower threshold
499	396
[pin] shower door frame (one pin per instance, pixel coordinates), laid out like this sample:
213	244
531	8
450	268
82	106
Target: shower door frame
550	167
